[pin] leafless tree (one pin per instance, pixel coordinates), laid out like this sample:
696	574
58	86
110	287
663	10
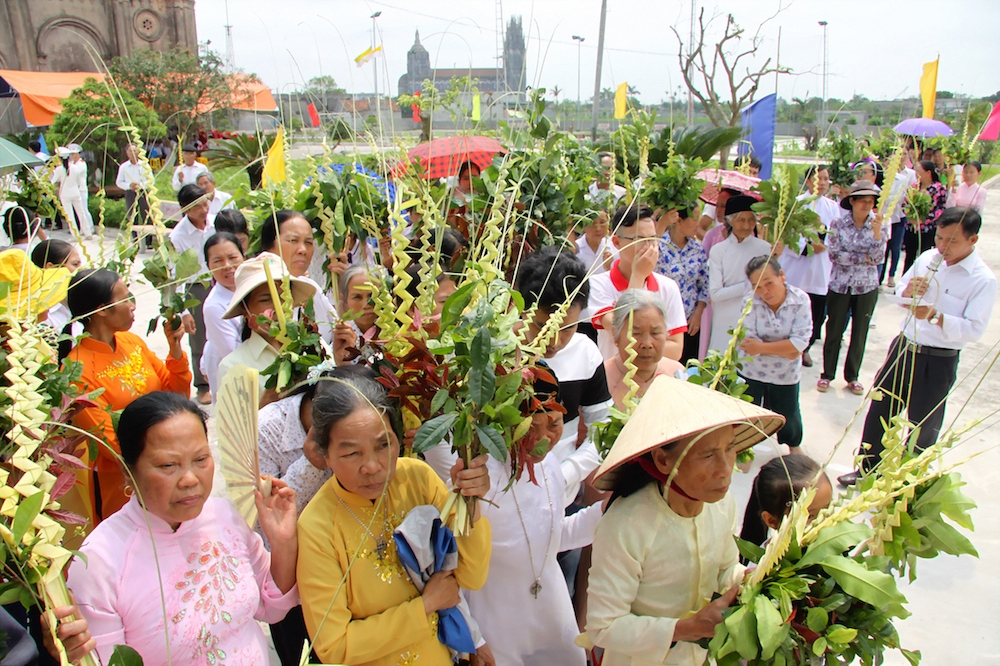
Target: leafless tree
707	68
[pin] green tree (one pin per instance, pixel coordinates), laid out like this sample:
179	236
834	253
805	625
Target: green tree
180	86
93	116
321	86
431	99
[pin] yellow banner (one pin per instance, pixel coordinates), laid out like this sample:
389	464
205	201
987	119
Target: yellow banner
621	98
367	55
477	112
928	87
274	163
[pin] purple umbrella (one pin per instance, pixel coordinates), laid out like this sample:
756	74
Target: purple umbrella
923	127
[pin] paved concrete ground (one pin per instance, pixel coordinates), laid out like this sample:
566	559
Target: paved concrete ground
955	600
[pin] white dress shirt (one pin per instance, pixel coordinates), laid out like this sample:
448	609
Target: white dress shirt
728	283
594	259
963	292
191	174
185	235
129	173
219	201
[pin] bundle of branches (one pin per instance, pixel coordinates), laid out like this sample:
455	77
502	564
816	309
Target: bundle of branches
785	215
168	270
840	152
917	206
673	184
821	589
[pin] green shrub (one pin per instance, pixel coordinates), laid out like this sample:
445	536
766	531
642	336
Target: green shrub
114	211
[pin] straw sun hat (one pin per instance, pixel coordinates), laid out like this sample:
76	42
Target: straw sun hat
250	275
673	409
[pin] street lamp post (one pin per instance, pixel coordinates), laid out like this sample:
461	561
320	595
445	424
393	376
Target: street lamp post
375	59
579	47
822	117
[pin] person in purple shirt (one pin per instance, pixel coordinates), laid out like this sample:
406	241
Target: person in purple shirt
856	248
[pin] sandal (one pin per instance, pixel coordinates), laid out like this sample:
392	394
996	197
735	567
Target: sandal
823	385
891	283
856	388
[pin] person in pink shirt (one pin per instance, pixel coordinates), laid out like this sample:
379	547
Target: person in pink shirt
176	574
969	194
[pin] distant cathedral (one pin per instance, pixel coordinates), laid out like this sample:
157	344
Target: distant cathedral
512	77
67	35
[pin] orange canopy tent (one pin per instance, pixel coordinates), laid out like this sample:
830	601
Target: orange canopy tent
41	92
249	95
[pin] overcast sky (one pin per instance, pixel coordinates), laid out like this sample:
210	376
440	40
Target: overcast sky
876	47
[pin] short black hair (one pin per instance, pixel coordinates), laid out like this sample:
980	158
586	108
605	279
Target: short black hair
777	486
814	170
17	223
35	146
627	216
51	251
222	237
189	194
271	228
147	411
232	221
547	277
970	220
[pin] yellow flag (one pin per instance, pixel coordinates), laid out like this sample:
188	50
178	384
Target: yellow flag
621	96
477	113
274	163
367	55
928	87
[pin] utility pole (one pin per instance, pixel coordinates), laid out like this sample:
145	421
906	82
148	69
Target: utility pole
230	52
375	59
579	47
690	51
600	61
822	116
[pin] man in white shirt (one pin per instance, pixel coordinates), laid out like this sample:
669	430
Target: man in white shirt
192	232
217	199
954	292
638	250
187	173
133	178
603	183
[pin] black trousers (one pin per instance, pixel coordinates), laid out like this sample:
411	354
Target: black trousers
197	341
915	244
919	383
818	304
692	343
289	635
859	307
784	400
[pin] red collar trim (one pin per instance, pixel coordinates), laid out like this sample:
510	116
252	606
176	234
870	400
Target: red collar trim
620	282
650	468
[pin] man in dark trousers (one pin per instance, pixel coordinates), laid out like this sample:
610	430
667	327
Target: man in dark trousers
953	292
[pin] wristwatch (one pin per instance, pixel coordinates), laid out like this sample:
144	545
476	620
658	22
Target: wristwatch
936	319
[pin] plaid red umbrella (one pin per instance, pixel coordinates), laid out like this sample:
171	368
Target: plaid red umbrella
442	157
716	179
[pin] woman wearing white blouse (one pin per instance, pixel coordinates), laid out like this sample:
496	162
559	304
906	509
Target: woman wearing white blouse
223	254
727	264
665	545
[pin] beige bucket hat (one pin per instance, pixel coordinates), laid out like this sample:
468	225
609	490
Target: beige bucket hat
250	275
673	409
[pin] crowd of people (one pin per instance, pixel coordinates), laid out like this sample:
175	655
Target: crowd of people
587	557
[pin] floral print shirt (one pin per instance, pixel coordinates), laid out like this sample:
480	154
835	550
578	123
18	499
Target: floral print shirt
792	321
688	266
939	200
855	255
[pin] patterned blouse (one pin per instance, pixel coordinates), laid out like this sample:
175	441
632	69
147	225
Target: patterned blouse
688	267
855	255
939	199
793	322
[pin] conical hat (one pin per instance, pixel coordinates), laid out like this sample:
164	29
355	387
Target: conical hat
673	409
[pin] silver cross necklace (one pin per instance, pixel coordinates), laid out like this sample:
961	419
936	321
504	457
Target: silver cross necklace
536	586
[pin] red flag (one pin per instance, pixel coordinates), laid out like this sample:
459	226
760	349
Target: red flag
313	115
991	130
416	109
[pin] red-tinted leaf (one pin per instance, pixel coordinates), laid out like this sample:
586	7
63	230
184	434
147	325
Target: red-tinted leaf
66	460
62	485
67	517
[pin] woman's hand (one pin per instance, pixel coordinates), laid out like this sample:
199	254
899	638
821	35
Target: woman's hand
694	322
344	338
483	657
278	514
441	592
73	634
702	624
174	336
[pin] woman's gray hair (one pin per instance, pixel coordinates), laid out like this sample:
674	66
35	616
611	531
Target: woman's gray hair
349	274
339	398
634	300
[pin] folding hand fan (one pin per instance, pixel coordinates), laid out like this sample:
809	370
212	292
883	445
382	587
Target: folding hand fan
236	421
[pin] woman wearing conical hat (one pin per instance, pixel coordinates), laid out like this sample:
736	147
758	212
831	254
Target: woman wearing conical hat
665	544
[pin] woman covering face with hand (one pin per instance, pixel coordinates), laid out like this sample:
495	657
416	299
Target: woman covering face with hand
359	604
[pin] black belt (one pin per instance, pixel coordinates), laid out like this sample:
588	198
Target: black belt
942	352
